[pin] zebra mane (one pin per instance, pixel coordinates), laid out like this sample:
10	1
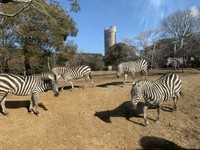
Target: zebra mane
45	76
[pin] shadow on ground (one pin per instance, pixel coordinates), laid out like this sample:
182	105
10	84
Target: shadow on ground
124	110
156	143
21	104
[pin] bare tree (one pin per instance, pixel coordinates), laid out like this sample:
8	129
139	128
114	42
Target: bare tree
179	26
148	41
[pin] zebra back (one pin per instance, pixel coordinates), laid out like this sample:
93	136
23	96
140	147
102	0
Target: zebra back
79	72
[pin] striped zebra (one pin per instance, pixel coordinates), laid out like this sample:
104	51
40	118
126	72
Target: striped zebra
70	74
26	85
132	67
176	63
156	92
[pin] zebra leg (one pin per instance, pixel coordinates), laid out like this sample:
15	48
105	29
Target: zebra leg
30	109
133	76
90	77
158	111
86	80
175	99
145	115
71	84
125	77
4	110
145	74
62	88
34	98
92	82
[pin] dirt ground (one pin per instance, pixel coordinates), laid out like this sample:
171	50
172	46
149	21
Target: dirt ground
96	118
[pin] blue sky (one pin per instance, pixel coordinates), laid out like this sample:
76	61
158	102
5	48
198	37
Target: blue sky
131	17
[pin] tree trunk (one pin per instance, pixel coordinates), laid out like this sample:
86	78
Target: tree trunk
26	58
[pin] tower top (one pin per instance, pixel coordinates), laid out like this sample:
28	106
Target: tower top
111	29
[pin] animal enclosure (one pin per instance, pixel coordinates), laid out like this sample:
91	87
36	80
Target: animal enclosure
69	121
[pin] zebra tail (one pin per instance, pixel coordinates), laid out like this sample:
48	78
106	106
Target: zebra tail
181	94
90	75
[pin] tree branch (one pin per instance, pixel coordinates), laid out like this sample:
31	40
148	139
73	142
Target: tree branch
18	1
18	12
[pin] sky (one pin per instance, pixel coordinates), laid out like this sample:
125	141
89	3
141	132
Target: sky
131	17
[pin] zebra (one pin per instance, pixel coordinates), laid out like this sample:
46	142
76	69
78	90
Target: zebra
26	85
69	74
156	92
175	63
132	67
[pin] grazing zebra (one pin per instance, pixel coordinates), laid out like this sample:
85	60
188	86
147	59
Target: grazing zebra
156	92
26	85
69	74
175	63
132	67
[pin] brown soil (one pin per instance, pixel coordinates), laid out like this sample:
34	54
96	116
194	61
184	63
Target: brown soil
69	121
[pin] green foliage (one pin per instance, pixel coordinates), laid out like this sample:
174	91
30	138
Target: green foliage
118	53
66	54
39	36
93	60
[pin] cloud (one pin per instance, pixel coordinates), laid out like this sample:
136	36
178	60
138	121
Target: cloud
194	11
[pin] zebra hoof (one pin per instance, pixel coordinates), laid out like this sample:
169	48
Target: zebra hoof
6	113
30	111
37	114
157	121
146	123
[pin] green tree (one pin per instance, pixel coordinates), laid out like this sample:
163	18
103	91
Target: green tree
118	53
40	35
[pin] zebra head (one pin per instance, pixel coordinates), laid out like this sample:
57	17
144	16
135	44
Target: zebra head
169	61
58	72
54	84
136	93
119	70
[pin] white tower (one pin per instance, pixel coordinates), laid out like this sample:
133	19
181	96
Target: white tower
109	37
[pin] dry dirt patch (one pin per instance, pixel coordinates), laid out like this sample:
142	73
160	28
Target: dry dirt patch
69	121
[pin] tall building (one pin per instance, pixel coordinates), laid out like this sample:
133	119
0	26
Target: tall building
109	38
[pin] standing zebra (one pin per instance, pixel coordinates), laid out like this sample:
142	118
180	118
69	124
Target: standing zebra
132	67
70	74
26	85
175	63
156	92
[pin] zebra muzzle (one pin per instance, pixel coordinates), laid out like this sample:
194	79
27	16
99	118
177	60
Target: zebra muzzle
56	94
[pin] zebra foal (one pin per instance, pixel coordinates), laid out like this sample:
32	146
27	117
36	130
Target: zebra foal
156	92
132	67
26	85
69	74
